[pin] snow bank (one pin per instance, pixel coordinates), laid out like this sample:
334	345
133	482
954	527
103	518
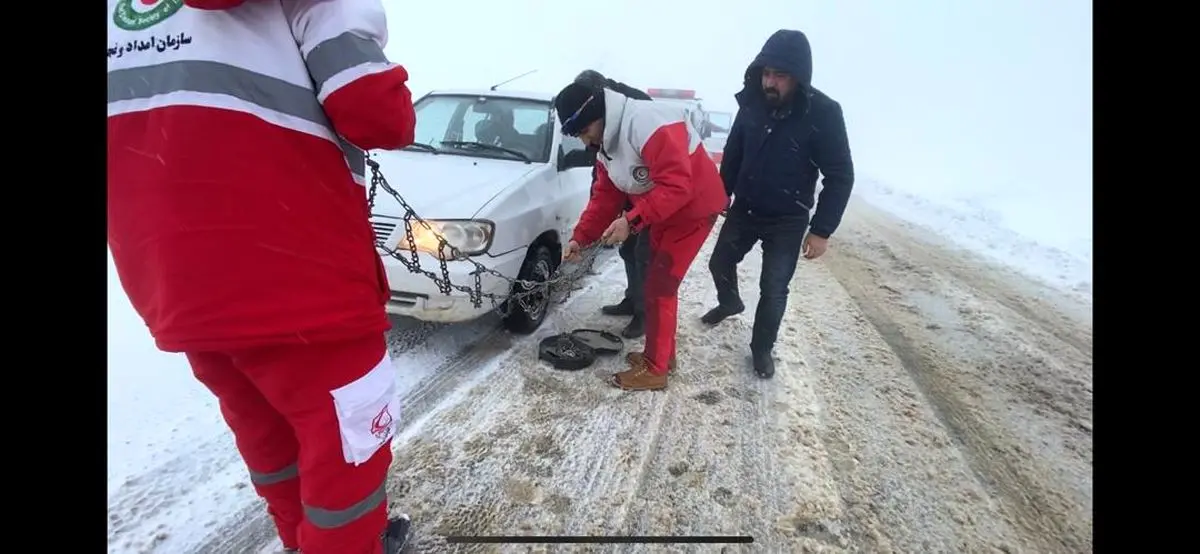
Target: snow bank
1041	237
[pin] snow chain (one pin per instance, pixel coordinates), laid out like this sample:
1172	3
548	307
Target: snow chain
557	287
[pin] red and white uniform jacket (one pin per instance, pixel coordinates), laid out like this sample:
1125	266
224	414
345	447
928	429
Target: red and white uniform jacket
652	156
236	134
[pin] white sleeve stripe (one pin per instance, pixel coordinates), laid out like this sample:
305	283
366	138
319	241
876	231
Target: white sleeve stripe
340	53
347	76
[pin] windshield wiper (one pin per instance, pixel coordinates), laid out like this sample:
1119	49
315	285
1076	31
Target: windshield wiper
422	146
486	146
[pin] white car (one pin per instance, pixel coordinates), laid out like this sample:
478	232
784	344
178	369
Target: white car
691	105
490	171
718	125
715	145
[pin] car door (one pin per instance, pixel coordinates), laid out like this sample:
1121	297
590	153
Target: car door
574	185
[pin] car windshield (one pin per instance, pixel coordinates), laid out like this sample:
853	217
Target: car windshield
721	121
475	125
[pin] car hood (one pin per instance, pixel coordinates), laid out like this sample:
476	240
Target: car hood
443	186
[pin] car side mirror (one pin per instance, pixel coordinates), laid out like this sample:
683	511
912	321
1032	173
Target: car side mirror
576	158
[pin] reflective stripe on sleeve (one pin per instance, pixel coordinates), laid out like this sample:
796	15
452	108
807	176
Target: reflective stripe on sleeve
216	78
262	93
340	53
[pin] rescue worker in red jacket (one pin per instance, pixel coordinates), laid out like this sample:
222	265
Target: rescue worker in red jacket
650	155
238	224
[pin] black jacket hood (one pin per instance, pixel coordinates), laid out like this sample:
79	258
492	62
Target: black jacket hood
786	50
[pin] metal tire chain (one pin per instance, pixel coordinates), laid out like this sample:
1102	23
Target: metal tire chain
557	281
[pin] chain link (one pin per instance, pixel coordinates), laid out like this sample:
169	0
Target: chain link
530	295
566	347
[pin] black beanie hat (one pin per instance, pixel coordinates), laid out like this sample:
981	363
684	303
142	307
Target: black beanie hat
578	105
591	78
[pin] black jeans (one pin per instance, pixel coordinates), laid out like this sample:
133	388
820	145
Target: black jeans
635	252
782	237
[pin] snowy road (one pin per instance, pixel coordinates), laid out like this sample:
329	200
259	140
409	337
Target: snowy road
925	401
962	420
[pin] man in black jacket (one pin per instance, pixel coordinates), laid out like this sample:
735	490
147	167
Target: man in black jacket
635	251
785	132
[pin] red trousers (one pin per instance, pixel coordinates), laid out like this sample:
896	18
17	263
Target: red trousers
672	250
302	436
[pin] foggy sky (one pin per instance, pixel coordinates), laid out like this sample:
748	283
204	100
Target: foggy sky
951	98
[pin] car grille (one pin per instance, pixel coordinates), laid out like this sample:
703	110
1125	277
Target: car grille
405	299
383	227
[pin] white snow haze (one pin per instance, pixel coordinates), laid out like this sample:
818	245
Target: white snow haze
975	108
971	120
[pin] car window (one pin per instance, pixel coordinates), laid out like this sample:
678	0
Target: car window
721	121
471	121
433	119
571	143
529	121
511	123
534	122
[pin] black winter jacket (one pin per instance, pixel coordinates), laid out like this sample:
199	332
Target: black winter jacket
772	156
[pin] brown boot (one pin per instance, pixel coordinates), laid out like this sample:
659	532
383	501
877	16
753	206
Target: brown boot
638	377
671	365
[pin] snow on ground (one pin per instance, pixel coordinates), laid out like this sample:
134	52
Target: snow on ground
877	434
1043	237
156	409
166	439
922	404
858	418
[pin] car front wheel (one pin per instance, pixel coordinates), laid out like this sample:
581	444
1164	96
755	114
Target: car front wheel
525	315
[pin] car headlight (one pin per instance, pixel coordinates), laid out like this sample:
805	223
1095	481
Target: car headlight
469	236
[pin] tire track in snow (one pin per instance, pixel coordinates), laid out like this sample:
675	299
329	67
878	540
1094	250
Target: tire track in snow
980	445
626	517
535	451
1060	315
725	457
1011	384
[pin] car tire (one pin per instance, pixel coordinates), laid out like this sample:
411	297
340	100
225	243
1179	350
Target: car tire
539	265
